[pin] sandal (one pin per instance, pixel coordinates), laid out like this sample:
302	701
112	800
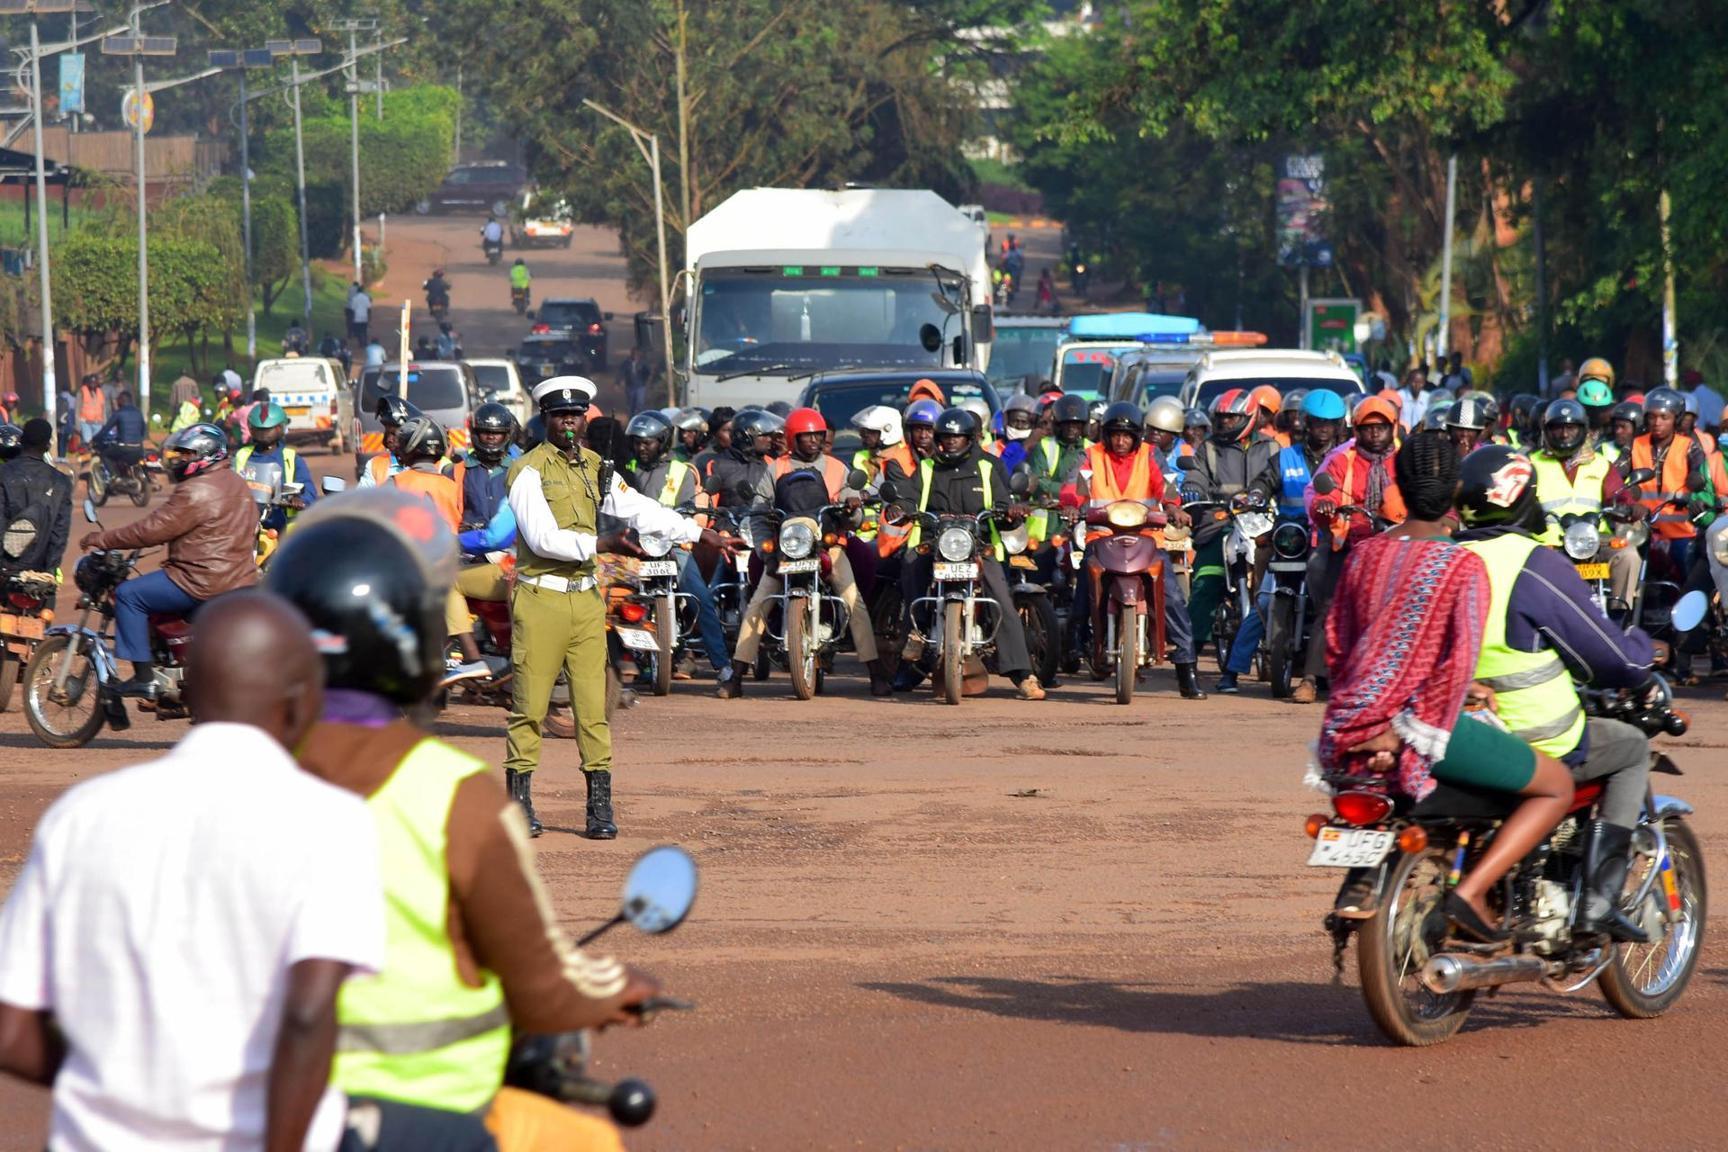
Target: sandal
1470	923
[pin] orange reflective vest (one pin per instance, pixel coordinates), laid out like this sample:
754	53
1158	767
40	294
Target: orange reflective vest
91	404
1102	485
444	492
833	472
1667	521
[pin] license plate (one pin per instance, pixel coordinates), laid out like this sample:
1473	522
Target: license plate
1349	848
1022	562
1287	566
742	561
298	410
956	571
793	566
638	639
1593	571
657	568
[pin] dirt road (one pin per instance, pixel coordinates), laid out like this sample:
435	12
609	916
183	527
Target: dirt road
1064	925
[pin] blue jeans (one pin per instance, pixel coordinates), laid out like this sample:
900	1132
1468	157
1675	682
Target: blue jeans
1248	636
707	620
136	601
87	430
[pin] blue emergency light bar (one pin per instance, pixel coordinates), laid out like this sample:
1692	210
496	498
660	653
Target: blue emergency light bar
1143	326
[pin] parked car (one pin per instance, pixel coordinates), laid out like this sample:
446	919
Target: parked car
314	392
1283	368
489	186
839	396
541	223
442	389
549	354
498	379
579	320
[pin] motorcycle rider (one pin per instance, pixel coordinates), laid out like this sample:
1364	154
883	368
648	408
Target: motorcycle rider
1228	465
1467	424
1164	423
210	526
1573	476
449	344
521	280
491	233
671	482
392	411
1361	471
808	433
1120	467
34	491
1542	624
437	290
1521	432
960	479
1322	420
741	467
487	523
1196	427
1669	498
880	442
1624	421
691	427
474	952
120	442
267	460
1019	417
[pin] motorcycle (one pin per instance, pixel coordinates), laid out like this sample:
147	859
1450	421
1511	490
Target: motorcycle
25	614
1250	522
494	250
519	300
1289	621
1419	986
958	617
655	619
131	471
1126	567
658	895
70	680
1033	603
806	622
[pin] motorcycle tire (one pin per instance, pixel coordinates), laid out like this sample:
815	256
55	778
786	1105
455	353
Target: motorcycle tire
801	659
952	685
760	668
887	611
1674	973
666	635
1127	652
8	677
561	722
98	482
1281	647
141	494
1225	625
1043	634
39	681
1380	959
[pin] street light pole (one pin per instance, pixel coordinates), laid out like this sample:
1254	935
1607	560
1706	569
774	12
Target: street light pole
225	58
50	387
352	65
300	176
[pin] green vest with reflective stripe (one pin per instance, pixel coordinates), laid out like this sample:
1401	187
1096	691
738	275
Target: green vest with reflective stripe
926	468
415	1032
1560	496
1537	700
676	470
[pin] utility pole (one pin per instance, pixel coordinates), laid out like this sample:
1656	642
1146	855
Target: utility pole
352	62
294	49
226	58
1443	337
1670	338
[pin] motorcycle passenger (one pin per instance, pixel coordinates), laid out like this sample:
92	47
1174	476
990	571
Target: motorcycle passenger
1572	476
120	442
1120	467
751	457
1598	401
1164	423
919	423
1196	428
881	443
39	494
1467	424
719	439
960	479
808	432
1522	433
672	483
1624	421
1289	423
1322	420
392	411
473	952
210	526
1543	623
268	461
1404	708
488	525
1228	465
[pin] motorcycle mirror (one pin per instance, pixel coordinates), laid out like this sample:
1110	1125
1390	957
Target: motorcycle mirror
1689	612
1186	464
658	892
1324	484
711	484
292	489
930	337
631	1103
1019	483
857	478
1640	476
1695	482
89	510
332	485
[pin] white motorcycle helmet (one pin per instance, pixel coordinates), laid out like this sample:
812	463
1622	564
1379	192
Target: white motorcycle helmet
879	418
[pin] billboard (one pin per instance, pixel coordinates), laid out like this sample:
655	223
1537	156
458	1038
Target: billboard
71	83
1301	213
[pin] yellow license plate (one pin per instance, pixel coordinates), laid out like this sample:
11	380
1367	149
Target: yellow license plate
1593	571
1022	562
298	410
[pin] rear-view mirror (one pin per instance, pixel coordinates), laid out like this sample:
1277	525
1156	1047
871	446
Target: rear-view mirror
89	510
1019	483
711	484
1689	611
1324	484
1186	464
1640	476
660	889
983	324
857	478
332	485
930	337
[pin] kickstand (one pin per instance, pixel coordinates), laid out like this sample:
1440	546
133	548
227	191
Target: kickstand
1340	930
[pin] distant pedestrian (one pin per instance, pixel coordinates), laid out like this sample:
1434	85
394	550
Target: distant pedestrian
635	373
93	409
375	354
1046	292
359	315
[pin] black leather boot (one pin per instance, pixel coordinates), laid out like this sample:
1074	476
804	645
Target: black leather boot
1605	868
520	785
1188	682
600	826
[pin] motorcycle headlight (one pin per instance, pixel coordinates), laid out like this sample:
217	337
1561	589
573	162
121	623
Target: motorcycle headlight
1582	539
797	539
19	535
655	545
1015	540
1289	541
1126	514
954	545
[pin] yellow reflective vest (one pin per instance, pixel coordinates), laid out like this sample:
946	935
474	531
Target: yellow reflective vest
1560	496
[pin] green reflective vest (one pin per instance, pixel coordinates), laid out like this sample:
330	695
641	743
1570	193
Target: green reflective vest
1560	496
573	494
1537	700
415	1032
926	468
676	470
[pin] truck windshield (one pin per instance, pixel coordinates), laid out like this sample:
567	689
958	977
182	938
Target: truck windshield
1016	353
786	320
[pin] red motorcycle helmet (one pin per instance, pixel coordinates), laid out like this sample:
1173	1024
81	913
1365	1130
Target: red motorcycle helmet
803	420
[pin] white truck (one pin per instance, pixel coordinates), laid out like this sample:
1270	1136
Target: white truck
785	283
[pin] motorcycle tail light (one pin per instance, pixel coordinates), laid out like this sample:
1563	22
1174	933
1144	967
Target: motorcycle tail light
1413	839
1314	823
1361	808
633	611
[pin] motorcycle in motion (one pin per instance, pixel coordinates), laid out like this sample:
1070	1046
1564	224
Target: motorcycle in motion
124	469
1419	984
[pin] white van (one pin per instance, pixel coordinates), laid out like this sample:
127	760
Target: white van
1285	369
314	393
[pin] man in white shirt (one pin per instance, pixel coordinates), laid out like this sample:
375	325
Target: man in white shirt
1413	397
375	354
359	314
169	958
492	232
1710	402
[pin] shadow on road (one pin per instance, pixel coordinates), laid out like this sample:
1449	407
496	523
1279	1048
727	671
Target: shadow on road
1292	1011
27	741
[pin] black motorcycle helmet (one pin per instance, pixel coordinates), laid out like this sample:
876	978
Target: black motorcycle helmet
1067	410
371	570
960	422
1664	400
11	441
533	433
1628	410
650	425
1523	405
393	411
1564	427
1497	488
420	438
194	450
1122	417
492	417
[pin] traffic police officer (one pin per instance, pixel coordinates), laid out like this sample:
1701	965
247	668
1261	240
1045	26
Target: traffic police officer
557	493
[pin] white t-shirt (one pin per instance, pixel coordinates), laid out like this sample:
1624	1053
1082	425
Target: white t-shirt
361	305
375	355
157	917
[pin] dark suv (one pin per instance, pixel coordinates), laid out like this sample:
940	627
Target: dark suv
579	321
487	187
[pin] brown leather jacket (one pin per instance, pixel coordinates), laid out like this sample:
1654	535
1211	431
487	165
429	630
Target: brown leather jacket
210	525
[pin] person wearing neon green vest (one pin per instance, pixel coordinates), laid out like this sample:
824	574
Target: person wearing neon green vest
1543	628
1576	478
474	951
269	461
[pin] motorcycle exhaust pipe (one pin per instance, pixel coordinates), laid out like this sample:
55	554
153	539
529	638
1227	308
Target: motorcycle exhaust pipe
1459	972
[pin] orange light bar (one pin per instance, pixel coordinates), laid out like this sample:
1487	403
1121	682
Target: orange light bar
1238	339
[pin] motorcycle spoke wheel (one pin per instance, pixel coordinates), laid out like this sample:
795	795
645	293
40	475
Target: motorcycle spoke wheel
1644	980
800	649
69	717
886	620
952	684
666	636
1396	942
1127	652
1281	647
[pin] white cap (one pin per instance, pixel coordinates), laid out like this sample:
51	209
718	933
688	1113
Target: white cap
566	391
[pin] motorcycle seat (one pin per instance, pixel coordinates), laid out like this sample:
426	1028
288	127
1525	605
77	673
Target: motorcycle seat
170	627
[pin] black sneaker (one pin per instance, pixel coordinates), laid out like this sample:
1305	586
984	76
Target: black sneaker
1227	685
